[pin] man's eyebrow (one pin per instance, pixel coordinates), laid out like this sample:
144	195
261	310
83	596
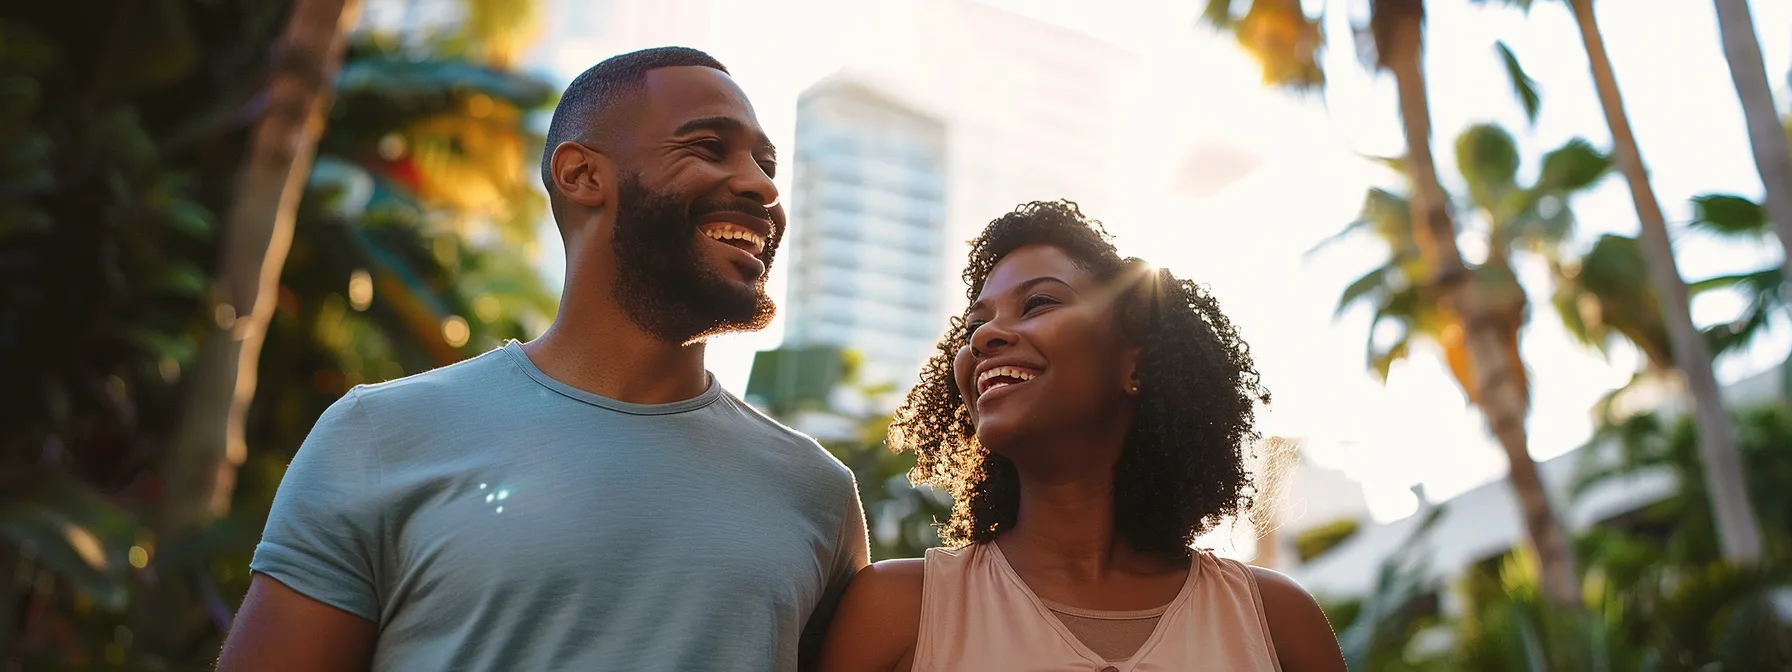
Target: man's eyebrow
1022	287
726	124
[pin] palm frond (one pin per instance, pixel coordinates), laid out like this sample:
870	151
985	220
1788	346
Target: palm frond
1523	86
1728	215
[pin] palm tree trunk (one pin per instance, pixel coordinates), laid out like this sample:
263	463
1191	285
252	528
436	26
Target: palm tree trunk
1500	394
199	469
1736	525
1766	134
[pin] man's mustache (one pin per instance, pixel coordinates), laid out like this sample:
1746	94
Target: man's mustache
742	206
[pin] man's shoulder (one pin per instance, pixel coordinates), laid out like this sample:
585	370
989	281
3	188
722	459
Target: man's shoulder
801	444
461	381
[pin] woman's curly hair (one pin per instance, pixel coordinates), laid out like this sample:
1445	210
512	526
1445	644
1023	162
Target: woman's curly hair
1182	468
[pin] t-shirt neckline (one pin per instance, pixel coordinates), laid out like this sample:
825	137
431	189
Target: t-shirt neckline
711	391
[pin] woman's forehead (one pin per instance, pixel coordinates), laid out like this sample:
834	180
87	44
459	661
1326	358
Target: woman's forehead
1029	264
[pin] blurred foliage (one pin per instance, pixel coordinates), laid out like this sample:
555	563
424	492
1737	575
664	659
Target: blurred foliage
901	518
119	142
821	383
1316	541
1658	594
1513	217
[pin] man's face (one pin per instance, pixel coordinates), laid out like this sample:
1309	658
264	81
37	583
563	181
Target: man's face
697	218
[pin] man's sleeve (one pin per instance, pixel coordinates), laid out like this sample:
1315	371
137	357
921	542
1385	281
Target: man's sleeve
323	535
852	552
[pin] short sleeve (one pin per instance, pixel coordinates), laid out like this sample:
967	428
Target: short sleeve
322	536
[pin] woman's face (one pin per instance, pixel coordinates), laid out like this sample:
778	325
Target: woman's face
1045	353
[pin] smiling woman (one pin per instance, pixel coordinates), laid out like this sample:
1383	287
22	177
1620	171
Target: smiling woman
1089	415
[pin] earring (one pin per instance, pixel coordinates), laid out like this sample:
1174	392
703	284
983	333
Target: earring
1135	388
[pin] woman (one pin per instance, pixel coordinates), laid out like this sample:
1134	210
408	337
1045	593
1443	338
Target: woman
1088	415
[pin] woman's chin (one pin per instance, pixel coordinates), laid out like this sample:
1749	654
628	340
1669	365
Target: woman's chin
1000	437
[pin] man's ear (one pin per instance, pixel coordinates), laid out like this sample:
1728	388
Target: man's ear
581	174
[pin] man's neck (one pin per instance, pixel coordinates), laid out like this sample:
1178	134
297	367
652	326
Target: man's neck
609	356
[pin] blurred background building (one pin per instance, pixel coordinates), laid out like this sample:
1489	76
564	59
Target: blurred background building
867	254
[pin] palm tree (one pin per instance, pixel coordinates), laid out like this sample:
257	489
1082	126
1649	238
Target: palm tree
1286	42
1735	515
1737	218
200	465
1766	134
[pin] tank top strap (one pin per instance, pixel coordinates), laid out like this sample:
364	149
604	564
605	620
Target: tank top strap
1221	621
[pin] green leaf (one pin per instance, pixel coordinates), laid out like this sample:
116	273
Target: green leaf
182	279
76	533
1394	163
1758	282
190	218
1574	166
1729	215
1370	285
1488	159
162	345
1348	230
1522	85
1217	14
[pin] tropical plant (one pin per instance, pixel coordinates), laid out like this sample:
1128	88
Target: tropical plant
1736	218
1287	42
1649	441
1379	630
199	464
113	167
1766	133
1320	539
1692	355
1515	217
901	518
1658	593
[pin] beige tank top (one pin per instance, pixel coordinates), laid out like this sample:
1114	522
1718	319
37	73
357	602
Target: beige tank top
976	614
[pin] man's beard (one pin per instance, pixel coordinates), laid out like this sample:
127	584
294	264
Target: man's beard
663	282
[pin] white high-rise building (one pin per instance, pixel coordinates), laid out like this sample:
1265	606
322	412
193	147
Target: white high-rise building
867	248
905	153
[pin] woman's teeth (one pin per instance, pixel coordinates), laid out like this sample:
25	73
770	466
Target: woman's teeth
1002	376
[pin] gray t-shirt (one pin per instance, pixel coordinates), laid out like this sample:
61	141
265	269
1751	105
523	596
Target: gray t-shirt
488	517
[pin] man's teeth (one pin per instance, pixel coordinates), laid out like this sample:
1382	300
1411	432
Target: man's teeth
735	232
1014	372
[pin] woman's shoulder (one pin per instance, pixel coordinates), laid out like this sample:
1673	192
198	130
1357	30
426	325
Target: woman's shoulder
1301	634
901	575
879	617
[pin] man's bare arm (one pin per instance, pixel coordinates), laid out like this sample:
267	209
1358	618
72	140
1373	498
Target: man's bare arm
280	630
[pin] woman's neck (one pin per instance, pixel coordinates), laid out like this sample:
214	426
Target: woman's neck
1066	527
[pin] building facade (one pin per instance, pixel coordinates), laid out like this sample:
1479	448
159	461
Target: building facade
868	241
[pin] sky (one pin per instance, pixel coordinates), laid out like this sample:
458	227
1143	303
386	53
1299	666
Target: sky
1287	170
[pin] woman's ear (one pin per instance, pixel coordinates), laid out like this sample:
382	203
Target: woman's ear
1129	366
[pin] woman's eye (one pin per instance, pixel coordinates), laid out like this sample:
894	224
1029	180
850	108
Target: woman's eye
1037	301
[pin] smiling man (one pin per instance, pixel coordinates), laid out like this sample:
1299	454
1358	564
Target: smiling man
591	500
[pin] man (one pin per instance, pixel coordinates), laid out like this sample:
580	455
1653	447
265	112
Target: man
591	500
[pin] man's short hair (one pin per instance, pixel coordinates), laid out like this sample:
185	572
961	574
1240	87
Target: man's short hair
595	92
